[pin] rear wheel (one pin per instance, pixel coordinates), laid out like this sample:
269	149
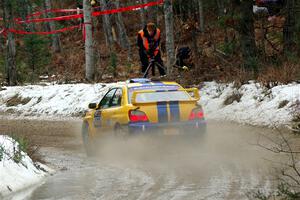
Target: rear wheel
87	140
198	131
196	134
120	132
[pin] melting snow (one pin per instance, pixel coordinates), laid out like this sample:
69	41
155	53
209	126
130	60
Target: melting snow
17	176
255	105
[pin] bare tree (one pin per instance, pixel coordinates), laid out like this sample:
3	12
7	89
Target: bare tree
246	31
220	4
288	170
169	23
11	67
289	26
124	40
56	45
109	38
143	14
107	26
201	15
89	48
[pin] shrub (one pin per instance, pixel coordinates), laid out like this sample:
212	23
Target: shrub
21	145
283	104
1	153
235	96
286	73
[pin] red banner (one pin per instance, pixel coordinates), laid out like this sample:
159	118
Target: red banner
2	31
70	17
51	11
55	11
20	32
97	13
128	8
62	18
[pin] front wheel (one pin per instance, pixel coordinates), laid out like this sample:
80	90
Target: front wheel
87	140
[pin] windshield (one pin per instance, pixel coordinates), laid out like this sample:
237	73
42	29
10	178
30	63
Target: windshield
168	93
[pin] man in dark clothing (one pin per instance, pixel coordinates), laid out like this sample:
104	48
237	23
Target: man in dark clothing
274	6
148	42
183	58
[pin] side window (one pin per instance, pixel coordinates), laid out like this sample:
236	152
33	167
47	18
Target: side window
117	99
105	102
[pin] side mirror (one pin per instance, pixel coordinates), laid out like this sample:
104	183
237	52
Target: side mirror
93	106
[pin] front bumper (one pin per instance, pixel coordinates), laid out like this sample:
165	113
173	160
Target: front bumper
184	127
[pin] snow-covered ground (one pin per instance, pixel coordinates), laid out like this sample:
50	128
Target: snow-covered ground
250	104
52	100
17	170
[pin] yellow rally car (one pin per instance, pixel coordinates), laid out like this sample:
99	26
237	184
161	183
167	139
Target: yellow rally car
141	105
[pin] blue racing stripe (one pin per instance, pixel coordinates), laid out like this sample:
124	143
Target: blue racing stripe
162	112
174	111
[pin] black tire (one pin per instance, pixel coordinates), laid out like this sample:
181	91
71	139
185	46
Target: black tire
87	140
120	132
201	131
194	135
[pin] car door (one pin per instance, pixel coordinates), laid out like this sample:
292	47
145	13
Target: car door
110	111
117	112
101	115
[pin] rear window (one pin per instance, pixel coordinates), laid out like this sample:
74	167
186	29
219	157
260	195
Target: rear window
169	94
162	96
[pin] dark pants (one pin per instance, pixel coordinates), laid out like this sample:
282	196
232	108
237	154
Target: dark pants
145	63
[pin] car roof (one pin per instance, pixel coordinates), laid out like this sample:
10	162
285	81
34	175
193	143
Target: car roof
153	83
140	83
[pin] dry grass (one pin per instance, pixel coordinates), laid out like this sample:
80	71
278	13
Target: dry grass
17	100
296	117
235	97
287	73
282	104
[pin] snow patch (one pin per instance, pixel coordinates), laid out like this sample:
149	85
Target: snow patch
17	170
257	105
52	100
251	103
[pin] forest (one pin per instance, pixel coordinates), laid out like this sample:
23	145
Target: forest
75	41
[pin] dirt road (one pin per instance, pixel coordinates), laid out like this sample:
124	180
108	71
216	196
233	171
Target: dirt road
225	164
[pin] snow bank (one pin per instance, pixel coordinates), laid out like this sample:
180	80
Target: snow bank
17	170
251	103
50	100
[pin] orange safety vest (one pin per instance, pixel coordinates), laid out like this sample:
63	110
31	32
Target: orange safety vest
146	42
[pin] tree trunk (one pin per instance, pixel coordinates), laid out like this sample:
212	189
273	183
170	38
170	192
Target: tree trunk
289	27
247	35
201	15
109	38
152	13
220	4
124	40
89	49
11	68
107	26
143	14
169	23
190	9
56	45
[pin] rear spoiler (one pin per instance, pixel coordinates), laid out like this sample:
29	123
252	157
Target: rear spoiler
194	97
